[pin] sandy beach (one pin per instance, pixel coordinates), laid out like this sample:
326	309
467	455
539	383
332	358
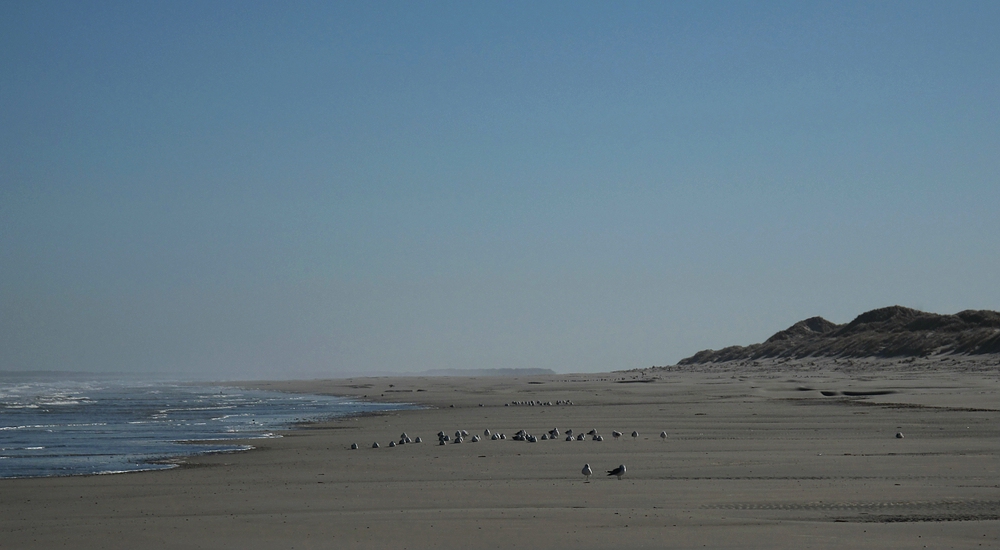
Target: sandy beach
778	456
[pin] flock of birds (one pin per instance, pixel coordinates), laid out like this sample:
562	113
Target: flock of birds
539	403
522	435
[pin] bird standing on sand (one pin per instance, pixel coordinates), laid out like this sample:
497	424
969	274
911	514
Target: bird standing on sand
619	471
587	471
617	434
663	435
635	435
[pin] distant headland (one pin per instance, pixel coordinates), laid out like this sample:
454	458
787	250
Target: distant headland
489	372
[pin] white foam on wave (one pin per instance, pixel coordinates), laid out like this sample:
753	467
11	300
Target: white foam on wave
28	427
147	469
184	409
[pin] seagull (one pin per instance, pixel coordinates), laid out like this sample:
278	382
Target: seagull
617	434
587	471
354	445
619	471
417	440
635	435
899	435
486	432
580	437
375	445
663	435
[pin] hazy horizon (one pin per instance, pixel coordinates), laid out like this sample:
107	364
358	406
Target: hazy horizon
255	190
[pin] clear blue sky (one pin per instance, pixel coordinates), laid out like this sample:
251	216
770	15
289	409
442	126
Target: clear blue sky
299	189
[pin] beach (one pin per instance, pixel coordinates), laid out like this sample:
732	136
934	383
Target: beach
775	456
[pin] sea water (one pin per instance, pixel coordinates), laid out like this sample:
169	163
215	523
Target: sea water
57	428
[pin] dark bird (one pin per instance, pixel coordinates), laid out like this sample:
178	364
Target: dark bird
619	471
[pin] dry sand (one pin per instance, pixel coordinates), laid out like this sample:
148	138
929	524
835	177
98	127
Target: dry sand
762	460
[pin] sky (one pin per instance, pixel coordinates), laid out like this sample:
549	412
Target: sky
315	189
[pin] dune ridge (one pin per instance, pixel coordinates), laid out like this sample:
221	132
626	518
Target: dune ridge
889	332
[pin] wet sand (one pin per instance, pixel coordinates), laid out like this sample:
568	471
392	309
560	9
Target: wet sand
785	456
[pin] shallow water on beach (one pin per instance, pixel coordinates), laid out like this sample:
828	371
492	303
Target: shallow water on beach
57	428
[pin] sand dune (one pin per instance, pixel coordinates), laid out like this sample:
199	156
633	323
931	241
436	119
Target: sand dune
890	332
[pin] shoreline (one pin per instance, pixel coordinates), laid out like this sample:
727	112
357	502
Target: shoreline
747	457
118	448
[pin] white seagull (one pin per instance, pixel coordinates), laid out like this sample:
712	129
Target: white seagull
619	471
587	471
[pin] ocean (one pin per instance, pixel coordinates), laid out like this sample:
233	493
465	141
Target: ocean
59	428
